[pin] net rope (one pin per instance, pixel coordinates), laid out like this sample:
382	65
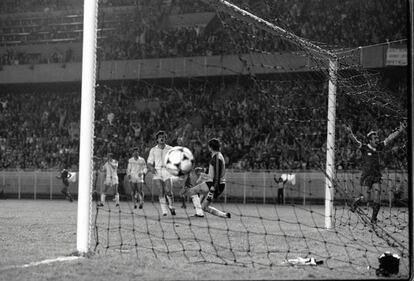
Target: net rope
262	233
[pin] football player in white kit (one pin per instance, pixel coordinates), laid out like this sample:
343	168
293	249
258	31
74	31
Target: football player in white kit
111	179
136	170
162	178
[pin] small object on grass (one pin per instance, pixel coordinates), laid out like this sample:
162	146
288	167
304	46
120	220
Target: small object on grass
303	261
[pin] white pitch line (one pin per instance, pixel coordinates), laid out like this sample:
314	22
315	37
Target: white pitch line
47	261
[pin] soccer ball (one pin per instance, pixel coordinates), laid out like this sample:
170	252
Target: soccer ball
179	161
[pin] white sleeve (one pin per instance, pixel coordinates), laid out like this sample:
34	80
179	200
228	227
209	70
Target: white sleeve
210	176
143	166
129	168
151	157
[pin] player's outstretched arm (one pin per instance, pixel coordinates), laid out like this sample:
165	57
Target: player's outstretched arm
351	135
396	133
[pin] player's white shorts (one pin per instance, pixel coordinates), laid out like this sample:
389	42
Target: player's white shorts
162	174
111	181
136	179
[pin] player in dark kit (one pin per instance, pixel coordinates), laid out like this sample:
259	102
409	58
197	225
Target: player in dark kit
371	168
65	175
217	179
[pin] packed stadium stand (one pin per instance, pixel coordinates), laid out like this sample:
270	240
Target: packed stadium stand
293	98
44	132
154	29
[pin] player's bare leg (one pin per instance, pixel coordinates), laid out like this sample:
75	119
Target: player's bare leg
134	194
362	199
140	195
207	208
183	199
376	202
69	196
195	198
102	202
355	203
65	191
115	186
169	195
163	202
197	205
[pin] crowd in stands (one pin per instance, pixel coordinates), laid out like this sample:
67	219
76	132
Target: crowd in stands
285	130
39	129
24	6
142	32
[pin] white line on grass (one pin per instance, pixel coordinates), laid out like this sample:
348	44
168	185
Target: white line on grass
47	261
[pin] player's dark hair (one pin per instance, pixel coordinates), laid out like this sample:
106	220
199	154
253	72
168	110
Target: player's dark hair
159	133
214	144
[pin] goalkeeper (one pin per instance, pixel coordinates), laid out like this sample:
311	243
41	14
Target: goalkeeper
371	168
210	185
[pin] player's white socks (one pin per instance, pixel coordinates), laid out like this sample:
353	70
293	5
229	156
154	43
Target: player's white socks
215	212
117	198
103	198
141	197
163	204
197	205
170	202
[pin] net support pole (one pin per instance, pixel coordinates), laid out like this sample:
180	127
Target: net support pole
86	125
330	144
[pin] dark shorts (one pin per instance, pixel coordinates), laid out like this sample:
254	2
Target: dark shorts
218	191
369	180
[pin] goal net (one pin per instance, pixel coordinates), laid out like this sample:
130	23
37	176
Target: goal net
280	104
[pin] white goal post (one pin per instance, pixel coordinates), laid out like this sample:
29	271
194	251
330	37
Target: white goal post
88	99
86	125
332	64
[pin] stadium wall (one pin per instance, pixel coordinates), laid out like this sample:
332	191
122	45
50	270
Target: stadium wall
204	66
246	187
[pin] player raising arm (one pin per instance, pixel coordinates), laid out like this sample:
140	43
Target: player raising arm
136	170
65	175
371	168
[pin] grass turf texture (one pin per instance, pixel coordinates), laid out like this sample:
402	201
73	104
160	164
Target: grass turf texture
141	244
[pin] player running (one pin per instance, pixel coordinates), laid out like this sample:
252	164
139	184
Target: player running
371	168
65	175
136	170
162	178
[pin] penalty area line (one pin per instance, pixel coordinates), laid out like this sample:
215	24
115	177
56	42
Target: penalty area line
47	261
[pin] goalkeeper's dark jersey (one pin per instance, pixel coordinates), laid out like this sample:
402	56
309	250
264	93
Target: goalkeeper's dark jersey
217	169
371	165
64	175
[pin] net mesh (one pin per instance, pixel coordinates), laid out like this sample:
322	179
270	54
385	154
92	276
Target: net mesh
269	107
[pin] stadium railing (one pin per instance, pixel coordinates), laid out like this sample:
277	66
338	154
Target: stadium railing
242	186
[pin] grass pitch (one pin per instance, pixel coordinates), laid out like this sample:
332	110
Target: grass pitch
140	244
